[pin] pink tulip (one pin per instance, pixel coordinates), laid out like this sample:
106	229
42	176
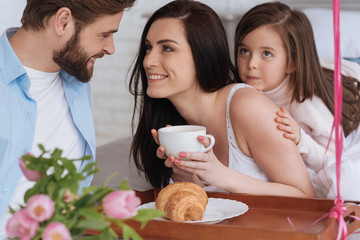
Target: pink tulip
121	204
31	175
40	207
22	226
56	230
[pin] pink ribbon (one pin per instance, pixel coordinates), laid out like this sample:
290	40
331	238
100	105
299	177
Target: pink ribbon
338	210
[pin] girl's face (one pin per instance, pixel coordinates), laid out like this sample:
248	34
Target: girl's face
168	62
262	59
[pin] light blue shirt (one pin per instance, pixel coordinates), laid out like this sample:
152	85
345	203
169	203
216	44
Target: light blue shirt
18	117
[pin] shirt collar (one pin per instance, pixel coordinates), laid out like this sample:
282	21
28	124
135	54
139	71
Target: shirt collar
281	95
13	67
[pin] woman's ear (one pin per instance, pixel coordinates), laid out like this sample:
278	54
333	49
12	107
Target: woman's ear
64	22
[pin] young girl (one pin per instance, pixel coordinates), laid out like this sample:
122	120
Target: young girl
276	53
183	75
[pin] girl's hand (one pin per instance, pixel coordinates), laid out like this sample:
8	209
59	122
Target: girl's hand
288	125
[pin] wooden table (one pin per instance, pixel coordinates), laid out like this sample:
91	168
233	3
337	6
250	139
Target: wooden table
267	218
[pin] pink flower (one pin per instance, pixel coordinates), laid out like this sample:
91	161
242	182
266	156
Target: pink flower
56	230
22	226
31	175
40	207
121	204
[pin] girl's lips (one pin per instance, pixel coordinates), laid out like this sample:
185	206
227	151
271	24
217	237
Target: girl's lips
252	78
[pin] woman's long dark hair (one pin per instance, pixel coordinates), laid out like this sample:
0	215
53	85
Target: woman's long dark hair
295	30
214	70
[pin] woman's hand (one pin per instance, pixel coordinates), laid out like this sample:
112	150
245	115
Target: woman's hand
178	174
288	125
205	165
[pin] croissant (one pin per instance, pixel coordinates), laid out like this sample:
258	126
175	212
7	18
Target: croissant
182	201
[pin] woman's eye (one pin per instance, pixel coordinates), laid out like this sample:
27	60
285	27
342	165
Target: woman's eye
267	54
243	51
147	47
106	35
167	48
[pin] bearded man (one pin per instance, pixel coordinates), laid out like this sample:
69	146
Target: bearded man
45	67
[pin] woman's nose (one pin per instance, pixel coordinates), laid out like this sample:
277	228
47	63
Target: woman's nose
150	59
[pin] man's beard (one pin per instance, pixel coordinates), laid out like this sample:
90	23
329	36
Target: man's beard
74	60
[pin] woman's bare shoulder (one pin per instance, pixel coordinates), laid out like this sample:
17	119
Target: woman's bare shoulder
251	101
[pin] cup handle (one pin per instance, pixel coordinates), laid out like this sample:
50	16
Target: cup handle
212	142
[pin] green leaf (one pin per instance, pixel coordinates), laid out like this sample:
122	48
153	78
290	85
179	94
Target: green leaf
128	232
106	234
100	194
144	215
86	158
58	171
11	210
56	154
88	167
124	185
69	165
86	238
42	148
90	213
93	224
108	179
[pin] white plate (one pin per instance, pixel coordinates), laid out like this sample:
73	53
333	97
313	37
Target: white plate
217	210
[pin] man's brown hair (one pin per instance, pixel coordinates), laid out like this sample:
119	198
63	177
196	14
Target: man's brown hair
85	12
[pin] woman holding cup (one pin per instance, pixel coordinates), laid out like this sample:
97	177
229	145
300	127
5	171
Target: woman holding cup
183	75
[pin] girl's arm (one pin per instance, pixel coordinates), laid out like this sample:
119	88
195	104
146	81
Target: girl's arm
312	152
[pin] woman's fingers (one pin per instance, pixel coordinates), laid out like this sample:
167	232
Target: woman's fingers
204	140
160	152
169	162
155	135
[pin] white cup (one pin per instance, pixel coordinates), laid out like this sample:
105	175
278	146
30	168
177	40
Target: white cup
183	138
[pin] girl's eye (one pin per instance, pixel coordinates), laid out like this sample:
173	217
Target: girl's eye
243	51
167	48
267	54
106	35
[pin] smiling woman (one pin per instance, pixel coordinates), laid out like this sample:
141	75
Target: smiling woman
183	75
168	62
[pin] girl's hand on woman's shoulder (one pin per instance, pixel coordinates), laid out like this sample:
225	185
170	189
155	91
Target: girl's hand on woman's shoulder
288	125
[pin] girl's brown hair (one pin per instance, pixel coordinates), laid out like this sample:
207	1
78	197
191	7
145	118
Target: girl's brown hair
309	79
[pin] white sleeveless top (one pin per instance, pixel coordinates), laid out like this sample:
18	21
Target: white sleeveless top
237	159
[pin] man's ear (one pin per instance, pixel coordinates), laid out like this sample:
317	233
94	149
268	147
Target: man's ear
63	22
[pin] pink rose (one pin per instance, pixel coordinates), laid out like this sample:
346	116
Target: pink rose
22	226
31	175
121	204
56	230
40	207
